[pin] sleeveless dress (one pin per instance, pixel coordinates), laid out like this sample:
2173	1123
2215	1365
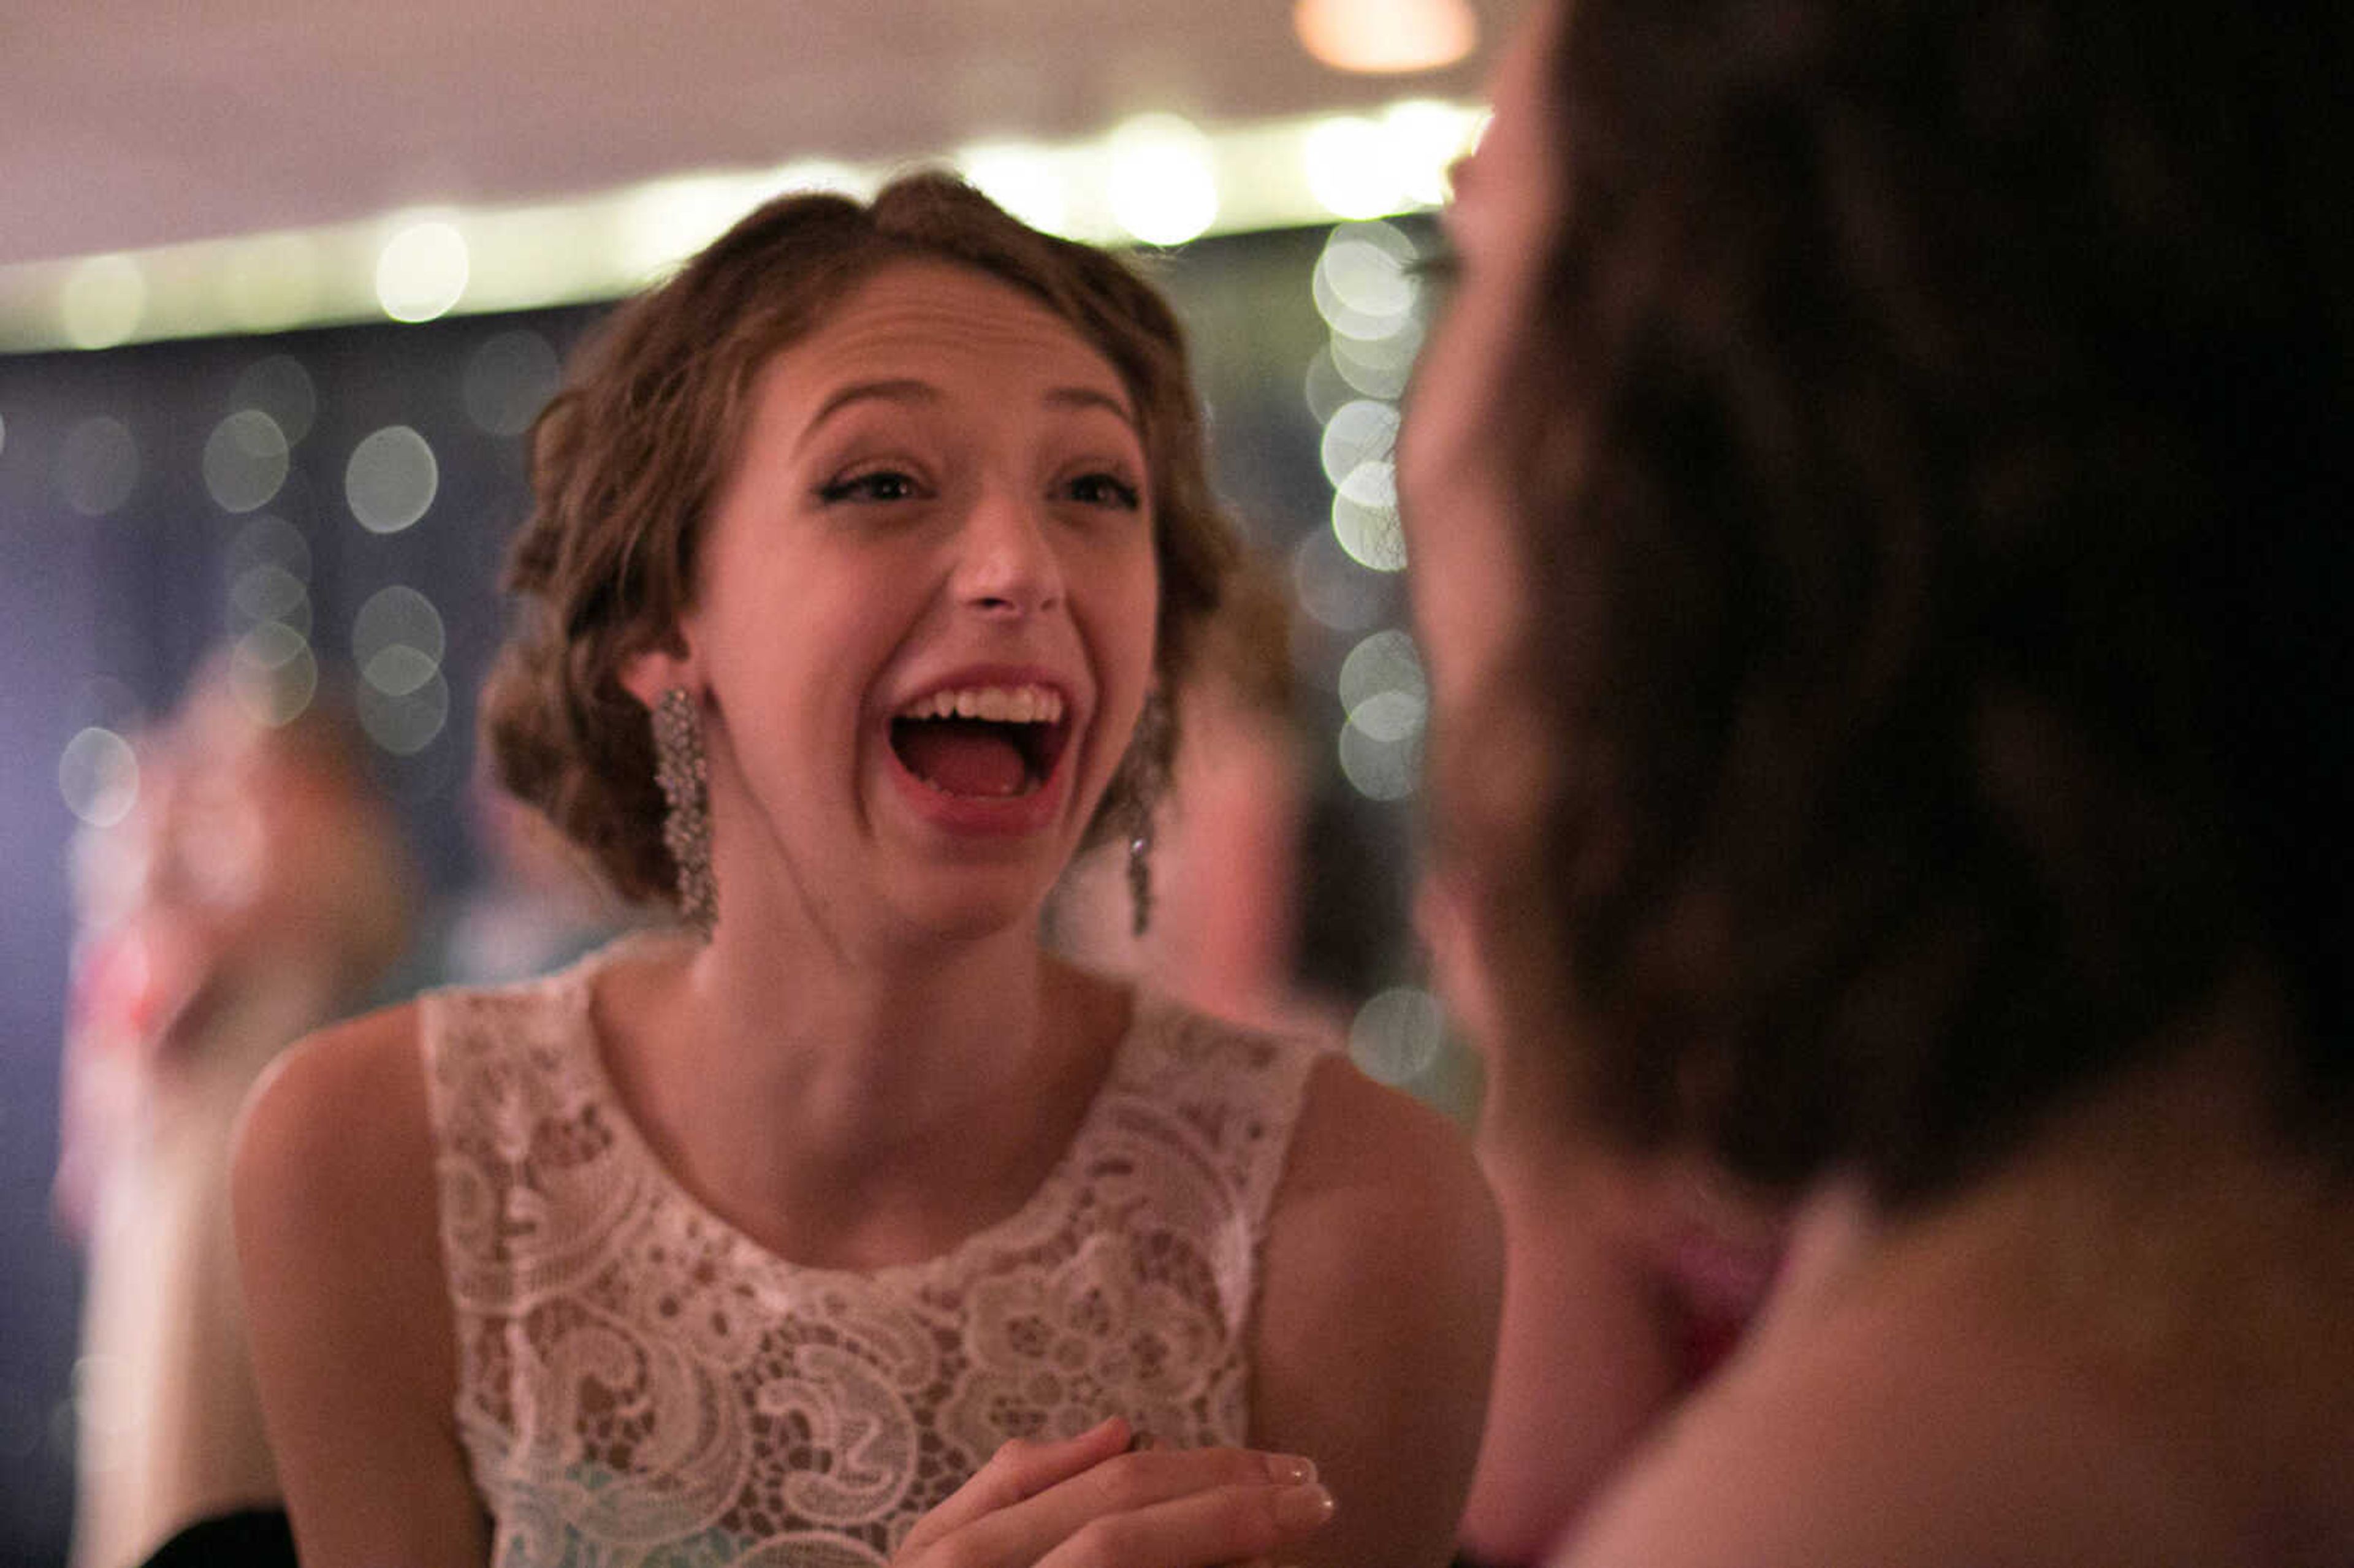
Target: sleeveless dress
640	1384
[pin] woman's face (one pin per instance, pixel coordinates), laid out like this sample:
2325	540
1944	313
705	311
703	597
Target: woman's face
1458	497
925	612
1457	494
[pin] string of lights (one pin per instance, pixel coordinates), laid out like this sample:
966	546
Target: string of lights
1154	180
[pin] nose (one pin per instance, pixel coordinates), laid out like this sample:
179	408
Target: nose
1007	566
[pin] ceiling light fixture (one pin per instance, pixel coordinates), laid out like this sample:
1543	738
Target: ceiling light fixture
1386	37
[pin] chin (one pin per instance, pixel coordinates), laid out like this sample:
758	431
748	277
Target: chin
973	908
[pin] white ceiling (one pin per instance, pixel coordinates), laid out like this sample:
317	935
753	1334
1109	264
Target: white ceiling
130	123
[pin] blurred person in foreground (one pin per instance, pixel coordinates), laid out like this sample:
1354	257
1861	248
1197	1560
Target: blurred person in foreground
1879	504
258	889
845	1224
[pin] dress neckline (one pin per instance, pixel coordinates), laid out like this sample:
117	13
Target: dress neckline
574	990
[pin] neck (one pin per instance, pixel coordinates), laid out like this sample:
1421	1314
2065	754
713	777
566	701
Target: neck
877	1043
857	1110
2195	1272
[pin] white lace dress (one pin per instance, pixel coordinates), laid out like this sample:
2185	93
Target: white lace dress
640	1384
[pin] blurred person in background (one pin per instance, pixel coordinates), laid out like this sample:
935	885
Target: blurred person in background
1880	507
844	1224
258	889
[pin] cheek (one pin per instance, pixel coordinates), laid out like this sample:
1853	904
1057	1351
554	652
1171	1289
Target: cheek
1445	926
1468	601
1116	590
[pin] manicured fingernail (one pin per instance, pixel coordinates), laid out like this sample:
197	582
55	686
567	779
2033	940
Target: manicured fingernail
1289	1468
1302	1508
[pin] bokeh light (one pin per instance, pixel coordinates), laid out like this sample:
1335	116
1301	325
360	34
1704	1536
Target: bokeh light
669	220
1159	180
1365	518
422	271
1162	183
245	461
1325	389
404	722
397	644
268	566
270	541
1385	664
1397	1034
1427	138
1380	367
98	465
98	775
271	282
509	379
1381	767
269	592
102	300
391	480
1358	433
1022	179
273	672
395	620
1346	160
278	387
1363	283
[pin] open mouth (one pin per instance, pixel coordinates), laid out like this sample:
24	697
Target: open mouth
990	743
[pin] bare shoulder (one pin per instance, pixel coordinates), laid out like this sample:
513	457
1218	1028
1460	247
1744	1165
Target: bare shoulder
1359	1141
333	1185
353	1344
1382	1190
339	1125
1376	1336
1896	1429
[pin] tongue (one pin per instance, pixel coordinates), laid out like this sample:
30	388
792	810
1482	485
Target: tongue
964	758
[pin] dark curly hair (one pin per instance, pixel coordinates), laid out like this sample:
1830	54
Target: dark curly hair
1935	460
629	457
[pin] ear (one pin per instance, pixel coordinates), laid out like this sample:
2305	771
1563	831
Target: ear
654	670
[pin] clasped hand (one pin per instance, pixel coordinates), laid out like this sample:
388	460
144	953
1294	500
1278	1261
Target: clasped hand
1096	1501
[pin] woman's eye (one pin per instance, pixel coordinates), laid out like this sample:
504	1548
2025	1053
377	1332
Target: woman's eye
875	484
1440	270
1104	490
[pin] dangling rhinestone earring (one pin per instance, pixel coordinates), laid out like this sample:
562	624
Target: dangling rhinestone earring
684	777
1145	772
1139	870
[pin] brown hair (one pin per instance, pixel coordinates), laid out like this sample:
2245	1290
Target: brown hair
628	458
1935	464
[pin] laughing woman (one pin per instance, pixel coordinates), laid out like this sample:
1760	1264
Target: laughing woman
867	554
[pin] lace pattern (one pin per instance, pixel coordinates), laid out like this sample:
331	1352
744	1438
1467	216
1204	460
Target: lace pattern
640	1384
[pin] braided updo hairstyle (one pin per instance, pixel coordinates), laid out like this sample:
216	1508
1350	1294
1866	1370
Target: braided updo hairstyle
626	459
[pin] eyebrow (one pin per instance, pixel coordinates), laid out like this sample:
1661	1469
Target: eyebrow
907	390
1090	397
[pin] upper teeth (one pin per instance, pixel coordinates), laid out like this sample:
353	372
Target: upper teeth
1000	705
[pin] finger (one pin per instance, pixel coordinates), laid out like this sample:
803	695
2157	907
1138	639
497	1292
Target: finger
1219	1525
1128	1484
1019	1469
